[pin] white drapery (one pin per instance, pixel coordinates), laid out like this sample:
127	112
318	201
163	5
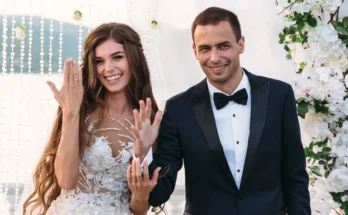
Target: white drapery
27	106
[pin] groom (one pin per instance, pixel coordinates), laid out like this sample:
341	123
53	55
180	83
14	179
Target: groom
237	134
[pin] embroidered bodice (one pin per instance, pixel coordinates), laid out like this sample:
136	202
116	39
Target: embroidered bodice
102	185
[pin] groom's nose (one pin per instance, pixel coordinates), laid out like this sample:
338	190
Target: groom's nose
214	56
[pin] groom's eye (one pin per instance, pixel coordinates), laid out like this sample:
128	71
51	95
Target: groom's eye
223	46
204	49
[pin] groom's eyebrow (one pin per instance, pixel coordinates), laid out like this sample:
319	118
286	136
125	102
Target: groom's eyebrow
219	44
224	43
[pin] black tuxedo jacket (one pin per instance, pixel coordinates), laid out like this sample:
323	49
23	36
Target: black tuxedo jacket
274	181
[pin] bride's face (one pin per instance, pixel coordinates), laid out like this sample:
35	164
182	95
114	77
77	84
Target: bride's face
112	66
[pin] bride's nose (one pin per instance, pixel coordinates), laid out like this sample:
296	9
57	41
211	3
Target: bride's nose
109	66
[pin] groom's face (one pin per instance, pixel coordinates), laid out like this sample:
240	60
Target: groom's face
217	50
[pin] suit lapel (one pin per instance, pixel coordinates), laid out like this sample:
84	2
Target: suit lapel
204	114
259	88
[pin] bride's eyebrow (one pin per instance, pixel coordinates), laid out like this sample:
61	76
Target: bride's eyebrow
113	54
116	53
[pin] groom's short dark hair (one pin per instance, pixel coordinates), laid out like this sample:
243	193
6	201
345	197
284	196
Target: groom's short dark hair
213	16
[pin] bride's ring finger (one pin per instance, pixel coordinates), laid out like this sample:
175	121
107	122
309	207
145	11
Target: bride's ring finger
75	72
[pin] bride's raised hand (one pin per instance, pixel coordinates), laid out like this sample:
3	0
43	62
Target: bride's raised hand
69	97
145	132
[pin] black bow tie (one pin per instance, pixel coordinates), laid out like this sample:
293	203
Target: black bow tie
221	100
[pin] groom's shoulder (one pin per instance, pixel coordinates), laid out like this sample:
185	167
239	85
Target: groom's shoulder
276	85
180	97
184	96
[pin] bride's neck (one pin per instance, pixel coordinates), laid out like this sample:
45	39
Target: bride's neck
118	105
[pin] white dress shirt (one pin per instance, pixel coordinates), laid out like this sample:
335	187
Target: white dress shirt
233	124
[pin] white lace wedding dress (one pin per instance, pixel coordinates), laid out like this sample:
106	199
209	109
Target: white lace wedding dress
102	187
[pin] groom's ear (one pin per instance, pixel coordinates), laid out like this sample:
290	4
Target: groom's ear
194	49
241	44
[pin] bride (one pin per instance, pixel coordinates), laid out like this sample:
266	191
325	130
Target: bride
84	165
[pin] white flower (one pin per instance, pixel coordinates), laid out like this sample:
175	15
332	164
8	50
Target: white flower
339	149
344	198
305	90
317	125
321	199
345	126
20	32
333	4
324	73
301	8
329	34
337	181
77	15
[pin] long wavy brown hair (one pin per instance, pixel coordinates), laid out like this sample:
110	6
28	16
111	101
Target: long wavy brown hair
95	95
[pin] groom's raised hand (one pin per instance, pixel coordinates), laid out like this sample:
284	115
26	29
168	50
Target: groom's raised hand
145	132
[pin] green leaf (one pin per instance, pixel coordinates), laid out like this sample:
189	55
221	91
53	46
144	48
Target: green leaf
345	41
322	162
302	109
336	197
300	100
281	38
288	56
307	152
287	48
315	170
327	174
311	145
321	107
312	22
22	26
326	140
305	38
303	65
294	39
339	27
326	149
345	21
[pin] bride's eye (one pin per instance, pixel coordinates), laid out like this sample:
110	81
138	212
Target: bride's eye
98	62
117	57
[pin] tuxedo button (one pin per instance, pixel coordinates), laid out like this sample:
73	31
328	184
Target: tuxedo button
238	170
237	142
234	115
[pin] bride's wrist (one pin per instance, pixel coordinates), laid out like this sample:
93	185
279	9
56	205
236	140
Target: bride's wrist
139	153
140	199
